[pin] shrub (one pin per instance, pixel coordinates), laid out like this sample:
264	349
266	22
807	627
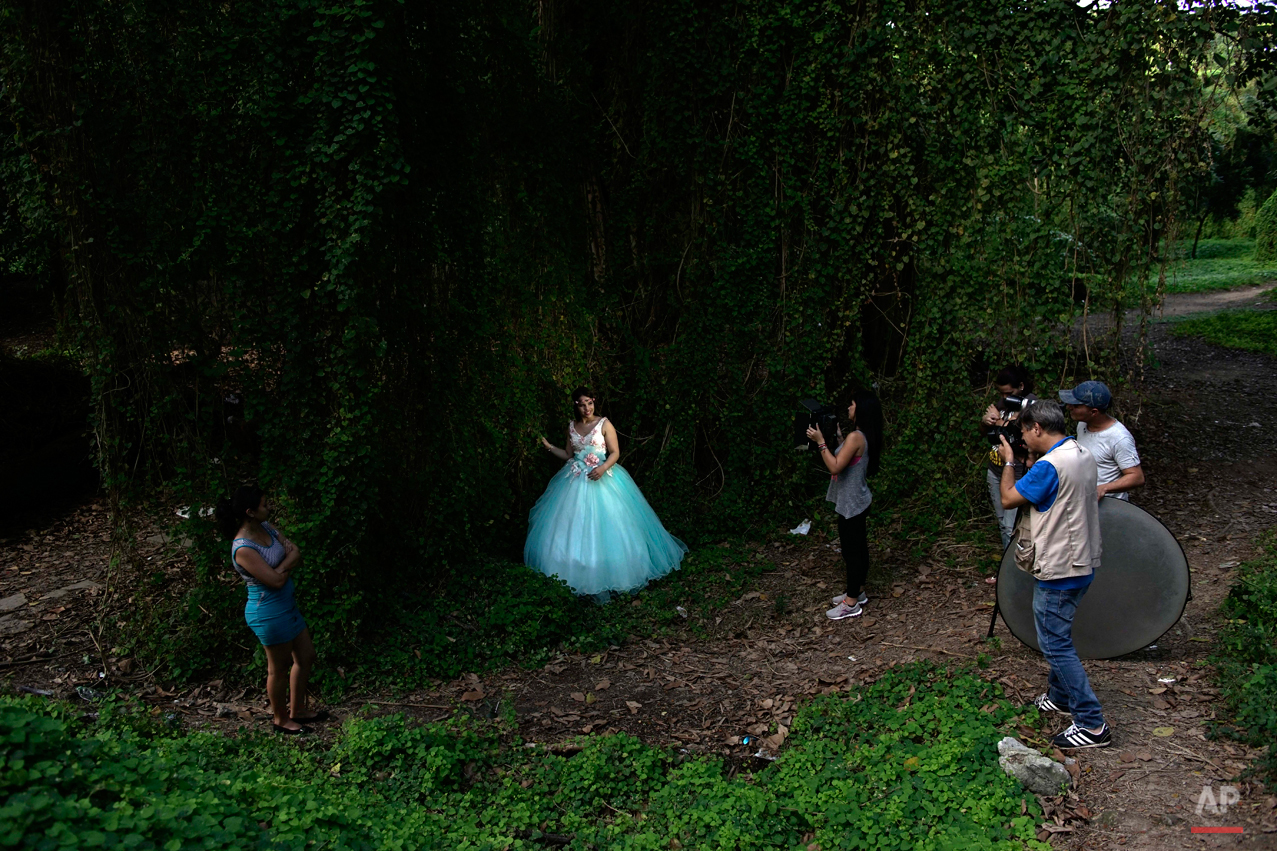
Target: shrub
1266	230
1246	661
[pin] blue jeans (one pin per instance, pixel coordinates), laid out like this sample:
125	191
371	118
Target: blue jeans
1053	610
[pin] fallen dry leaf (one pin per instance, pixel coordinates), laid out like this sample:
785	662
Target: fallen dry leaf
477	694
602	685
634	706
577	696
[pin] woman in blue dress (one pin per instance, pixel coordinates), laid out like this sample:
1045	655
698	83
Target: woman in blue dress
592	527
263	558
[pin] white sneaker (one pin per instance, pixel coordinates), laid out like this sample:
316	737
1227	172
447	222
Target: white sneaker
843	610
861	600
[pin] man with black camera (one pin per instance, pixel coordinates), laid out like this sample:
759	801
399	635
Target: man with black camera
1013	385
1057	541
1110	442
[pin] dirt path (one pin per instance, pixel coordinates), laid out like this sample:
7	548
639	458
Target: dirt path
1212	476
1183	304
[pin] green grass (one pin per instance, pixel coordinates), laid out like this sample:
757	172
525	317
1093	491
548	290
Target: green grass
1246	659
1221	264
1252	330
907	762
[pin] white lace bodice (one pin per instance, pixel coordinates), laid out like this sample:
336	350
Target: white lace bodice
589	450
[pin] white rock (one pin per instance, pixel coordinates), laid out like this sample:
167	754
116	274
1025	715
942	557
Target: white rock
1038	774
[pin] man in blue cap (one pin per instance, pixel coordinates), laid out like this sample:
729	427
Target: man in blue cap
1111	444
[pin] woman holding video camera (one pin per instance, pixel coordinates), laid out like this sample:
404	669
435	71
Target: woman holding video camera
1012	382
849	464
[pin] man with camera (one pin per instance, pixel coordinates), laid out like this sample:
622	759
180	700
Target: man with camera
1057	541
1105	438
1013	385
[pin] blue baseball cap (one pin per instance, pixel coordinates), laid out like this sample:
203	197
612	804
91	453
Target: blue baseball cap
1093	394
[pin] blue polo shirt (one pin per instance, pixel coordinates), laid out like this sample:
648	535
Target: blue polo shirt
1040	486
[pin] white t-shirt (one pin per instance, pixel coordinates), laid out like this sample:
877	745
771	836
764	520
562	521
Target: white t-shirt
1114	451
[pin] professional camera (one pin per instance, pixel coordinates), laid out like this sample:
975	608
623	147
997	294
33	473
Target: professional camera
1008	425
813	414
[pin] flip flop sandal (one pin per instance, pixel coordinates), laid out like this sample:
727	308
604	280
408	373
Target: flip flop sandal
321	715
284	731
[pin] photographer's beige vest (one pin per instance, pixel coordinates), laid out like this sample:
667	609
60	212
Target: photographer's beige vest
1064	540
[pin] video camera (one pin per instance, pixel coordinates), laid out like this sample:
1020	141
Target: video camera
1008	424
813	414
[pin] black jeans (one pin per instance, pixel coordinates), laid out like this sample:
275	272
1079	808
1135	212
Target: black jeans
853	537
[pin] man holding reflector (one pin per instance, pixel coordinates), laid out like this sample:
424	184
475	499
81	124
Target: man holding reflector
1108	441
1057	541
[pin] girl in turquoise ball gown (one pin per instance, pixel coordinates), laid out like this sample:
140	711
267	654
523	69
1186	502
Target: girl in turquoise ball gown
592	527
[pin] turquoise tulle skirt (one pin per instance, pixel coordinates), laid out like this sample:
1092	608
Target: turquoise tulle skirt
600	537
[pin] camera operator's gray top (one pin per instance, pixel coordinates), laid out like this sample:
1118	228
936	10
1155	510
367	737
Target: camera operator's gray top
848	492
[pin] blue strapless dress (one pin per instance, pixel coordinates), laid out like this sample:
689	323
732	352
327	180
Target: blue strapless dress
599	537
271	614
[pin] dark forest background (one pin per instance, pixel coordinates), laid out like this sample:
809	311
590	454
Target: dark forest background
363	250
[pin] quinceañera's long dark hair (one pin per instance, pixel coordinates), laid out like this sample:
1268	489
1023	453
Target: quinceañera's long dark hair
869	422
230	512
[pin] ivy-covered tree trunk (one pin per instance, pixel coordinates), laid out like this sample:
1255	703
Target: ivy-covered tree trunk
400	232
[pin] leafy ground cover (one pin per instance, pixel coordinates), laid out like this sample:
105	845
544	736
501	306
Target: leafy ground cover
507	613
1247	658
908	761
498	614
1252	330
1220	264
